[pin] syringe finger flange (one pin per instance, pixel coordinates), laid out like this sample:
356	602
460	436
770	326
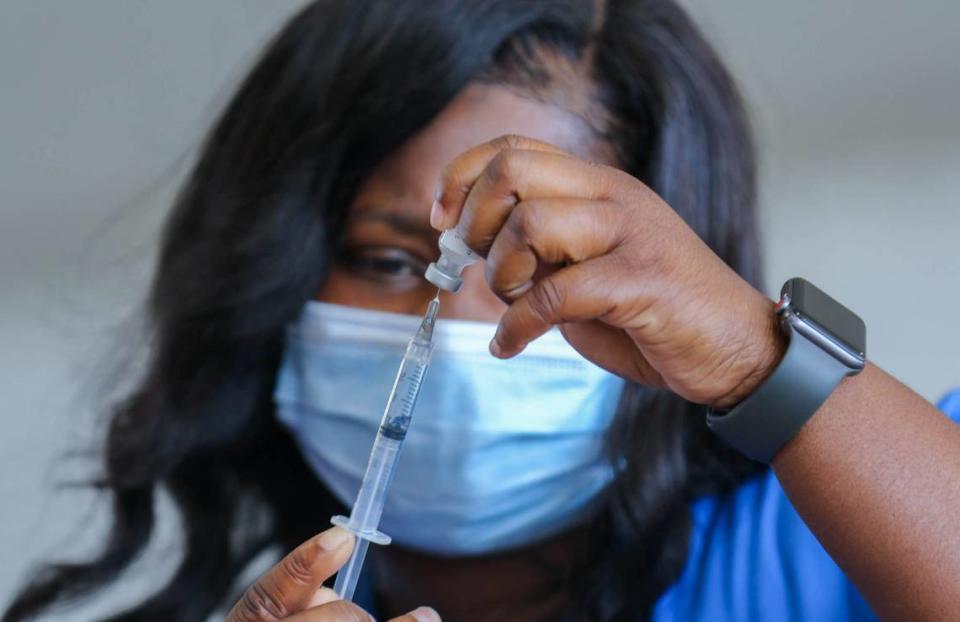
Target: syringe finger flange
372	535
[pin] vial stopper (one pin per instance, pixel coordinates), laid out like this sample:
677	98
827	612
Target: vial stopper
455	255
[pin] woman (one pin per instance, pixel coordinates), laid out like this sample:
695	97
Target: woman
597	155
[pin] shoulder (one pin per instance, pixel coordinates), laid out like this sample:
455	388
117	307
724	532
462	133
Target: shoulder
752	557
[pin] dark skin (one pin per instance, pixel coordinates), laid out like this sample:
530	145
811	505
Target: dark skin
572	241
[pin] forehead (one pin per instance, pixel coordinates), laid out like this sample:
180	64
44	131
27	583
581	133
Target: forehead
479	114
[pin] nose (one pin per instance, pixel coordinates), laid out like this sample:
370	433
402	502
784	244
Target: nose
474	301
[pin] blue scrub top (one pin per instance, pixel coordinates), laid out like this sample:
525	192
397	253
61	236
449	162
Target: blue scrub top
752	559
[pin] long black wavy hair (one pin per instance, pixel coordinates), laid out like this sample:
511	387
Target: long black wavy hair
256	228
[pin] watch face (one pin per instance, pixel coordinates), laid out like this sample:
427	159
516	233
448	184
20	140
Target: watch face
814	306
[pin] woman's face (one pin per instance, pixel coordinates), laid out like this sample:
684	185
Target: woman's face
388	239
387	246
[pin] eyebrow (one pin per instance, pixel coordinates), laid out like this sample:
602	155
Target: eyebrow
400	221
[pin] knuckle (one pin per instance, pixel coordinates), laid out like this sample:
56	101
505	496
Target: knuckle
621	264
506	284
613	182
494	278
455	181
512	232
496	170
502	170
546	298
260	605
296	568
447	174
507	142
452	179
523	222
608	183
615	222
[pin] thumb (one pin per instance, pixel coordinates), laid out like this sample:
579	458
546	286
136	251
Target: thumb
290	586
345	611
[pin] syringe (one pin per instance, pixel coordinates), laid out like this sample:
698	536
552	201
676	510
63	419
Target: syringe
365	515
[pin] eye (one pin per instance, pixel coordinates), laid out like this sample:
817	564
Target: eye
383	263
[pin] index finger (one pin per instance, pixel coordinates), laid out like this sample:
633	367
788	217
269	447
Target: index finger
458	177
289	586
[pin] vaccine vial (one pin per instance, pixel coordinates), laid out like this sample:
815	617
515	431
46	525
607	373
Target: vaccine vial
455	255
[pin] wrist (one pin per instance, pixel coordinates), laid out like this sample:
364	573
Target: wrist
826	343
763	349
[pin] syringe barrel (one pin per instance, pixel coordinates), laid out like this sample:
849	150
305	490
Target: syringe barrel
406	388
368	507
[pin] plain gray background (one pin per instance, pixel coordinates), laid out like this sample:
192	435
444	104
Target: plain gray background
102	103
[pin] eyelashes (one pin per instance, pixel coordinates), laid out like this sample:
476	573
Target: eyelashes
383	263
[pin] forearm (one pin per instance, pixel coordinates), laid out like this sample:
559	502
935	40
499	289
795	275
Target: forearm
876	475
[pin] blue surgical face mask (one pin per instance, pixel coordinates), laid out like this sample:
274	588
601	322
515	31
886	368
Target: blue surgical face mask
499	453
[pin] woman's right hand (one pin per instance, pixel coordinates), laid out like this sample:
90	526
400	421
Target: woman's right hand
293	589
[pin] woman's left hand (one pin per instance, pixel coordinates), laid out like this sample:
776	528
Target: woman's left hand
595	251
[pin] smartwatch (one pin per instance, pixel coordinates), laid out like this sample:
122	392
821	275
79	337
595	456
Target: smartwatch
827	342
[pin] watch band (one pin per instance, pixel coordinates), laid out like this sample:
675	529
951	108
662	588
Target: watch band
773	414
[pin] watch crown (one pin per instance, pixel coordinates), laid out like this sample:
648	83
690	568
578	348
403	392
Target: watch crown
783	304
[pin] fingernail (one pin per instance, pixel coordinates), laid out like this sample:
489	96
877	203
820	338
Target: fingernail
425	614
495	348
333	538
436	215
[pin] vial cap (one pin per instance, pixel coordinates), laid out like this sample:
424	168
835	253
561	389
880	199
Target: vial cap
441	279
